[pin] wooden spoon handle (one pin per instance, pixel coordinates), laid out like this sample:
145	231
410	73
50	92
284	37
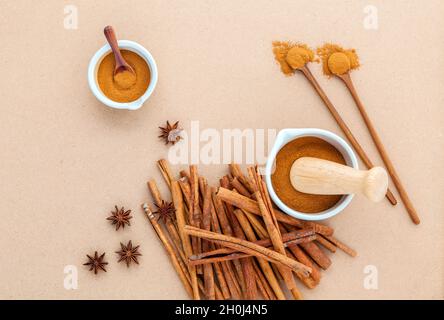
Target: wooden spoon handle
343	125
112	40
318	176
380	146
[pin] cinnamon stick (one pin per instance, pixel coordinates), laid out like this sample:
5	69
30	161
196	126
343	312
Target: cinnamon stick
250	248
260	286
220	255
289	239
314	252
155	193
257	225
317	254
169	249
218	292
227	267
186	190
180	216
269	218
207	269
165	171
252	279
169	224
303	258
246	266
239	187
176	250
265	266
194	210
249	273
326	244
264	283
342	246
251	206
222	281
237	173
233	284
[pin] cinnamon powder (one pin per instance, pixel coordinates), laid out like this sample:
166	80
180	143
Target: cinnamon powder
303	147
292	56
124	88
337	60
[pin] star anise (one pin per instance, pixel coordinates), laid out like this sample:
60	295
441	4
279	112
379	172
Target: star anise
128	253
171	133
165	211
120	217
96	263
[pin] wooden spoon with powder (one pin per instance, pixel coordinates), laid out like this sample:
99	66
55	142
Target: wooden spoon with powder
339	62
124	74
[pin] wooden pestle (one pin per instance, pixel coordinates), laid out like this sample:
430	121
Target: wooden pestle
318	176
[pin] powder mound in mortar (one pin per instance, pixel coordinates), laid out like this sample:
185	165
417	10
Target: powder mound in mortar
295	149
120	91
337	60
125	79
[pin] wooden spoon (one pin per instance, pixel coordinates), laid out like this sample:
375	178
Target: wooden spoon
379	145
124	74
307	73
318	176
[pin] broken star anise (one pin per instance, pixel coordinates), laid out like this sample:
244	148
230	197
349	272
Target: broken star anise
171	133
96	263
128	253
120	217
165	211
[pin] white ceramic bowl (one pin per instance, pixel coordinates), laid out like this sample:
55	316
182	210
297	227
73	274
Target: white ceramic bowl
287	135
95	63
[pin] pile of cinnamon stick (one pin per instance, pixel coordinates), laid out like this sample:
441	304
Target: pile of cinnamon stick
231	242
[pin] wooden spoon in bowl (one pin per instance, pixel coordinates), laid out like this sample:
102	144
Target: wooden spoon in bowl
124	74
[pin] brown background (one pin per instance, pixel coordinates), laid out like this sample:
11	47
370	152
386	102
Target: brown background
66	159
